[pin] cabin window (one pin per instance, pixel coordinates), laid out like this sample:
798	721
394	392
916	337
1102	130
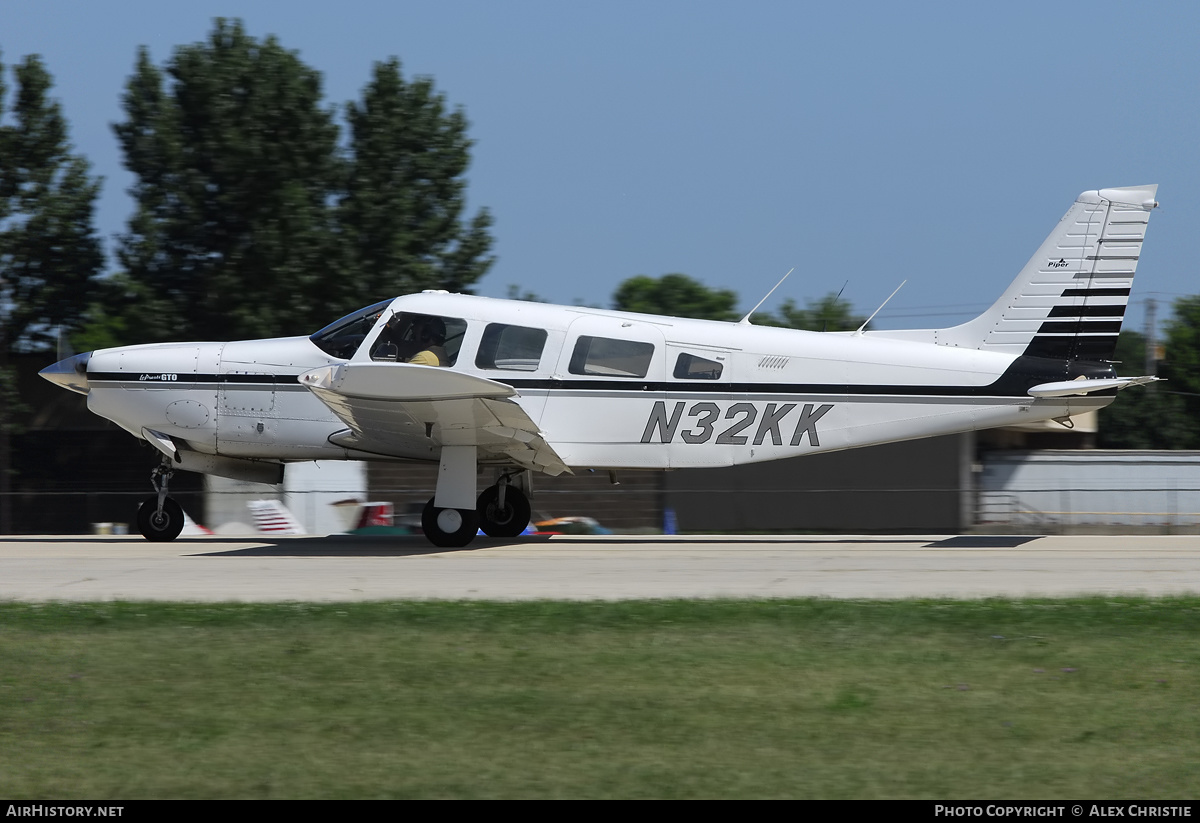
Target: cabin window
691	367
423	339
606	357
511	348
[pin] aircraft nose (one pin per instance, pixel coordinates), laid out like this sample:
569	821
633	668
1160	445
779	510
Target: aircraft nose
70	373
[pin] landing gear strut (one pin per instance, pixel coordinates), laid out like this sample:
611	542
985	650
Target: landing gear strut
160	518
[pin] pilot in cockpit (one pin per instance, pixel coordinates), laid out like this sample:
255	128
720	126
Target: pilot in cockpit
409	338
430	336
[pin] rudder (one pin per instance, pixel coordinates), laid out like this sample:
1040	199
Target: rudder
1069	299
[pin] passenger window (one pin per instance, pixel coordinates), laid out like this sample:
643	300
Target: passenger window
603	356
512	348
424	339
691	367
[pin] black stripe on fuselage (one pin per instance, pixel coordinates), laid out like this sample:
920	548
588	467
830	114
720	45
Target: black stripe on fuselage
180	377
1026	371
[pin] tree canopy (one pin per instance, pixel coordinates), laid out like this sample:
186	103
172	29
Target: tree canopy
404	192
49	254
1148	417
234	160
677	295
252	222
828	313
681	296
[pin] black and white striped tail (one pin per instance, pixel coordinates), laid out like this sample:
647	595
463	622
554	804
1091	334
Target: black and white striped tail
1069	300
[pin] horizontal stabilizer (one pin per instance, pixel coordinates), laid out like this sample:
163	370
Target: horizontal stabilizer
1067	388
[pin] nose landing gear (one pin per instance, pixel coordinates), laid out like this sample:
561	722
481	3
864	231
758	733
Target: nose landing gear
159	518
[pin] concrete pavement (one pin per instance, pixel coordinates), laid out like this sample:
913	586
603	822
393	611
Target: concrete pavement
342	568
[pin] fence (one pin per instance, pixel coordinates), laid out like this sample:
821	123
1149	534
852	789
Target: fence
1170	509
725	509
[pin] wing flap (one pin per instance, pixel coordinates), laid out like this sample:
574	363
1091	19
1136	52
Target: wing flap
405	410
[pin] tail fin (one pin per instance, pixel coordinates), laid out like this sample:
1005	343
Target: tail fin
273	517
1069	300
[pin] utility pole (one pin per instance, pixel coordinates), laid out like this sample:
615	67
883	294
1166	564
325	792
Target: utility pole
1151	340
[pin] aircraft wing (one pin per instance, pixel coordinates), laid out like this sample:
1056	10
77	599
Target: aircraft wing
1080	385
405	410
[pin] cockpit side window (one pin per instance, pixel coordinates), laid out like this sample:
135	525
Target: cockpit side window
423	339
511	348
342	338
691	367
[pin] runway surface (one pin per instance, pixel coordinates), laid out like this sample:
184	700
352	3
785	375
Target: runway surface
341	568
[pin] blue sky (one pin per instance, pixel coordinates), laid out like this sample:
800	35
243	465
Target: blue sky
860	142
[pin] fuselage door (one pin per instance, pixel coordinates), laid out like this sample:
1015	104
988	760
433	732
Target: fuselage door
608	379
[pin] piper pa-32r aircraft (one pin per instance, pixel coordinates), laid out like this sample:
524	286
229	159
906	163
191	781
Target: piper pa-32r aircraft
472	382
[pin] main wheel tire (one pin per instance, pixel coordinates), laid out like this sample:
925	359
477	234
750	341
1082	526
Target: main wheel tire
502	522
159	527
448	528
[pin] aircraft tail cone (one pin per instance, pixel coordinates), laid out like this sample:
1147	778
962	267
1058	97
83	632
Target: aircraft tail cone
70	373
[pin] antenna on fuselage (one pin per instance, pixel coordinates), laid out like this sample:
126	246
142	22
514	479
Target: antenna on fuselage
746	320
881	305
825	324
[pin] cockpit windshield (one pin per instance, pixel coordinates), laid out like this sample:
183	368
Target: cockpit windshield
342	338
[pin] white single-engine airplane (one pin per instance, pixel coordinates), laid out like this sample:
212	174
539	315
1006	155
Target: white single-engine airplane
469	382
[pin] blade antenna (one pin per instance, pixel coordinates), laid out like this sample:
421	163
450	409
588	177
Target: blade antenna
746	320
881	305
825	324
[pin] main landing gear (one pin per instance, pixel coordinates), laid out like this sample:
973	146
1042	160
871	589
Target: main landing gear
502	510
160	518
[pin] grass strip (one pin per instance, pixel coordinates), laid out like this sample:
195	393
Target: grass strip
1020	699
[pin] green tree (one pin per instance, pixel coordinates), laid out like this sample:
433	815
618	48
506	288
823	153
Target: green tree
1147	417
829	313
49	254
1182	365
676	295
235	162
405	192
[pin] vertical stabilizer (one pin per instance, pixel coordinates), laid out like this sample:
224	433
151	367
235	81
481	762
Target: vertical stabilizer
1069	300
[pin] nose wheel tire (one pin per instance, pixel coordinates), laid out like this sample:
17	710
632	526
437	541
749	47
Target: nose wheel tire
157	526
448	528
508	521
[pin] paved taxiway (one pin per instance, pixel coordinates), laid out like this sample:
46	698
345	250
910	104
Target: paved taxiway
339	568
